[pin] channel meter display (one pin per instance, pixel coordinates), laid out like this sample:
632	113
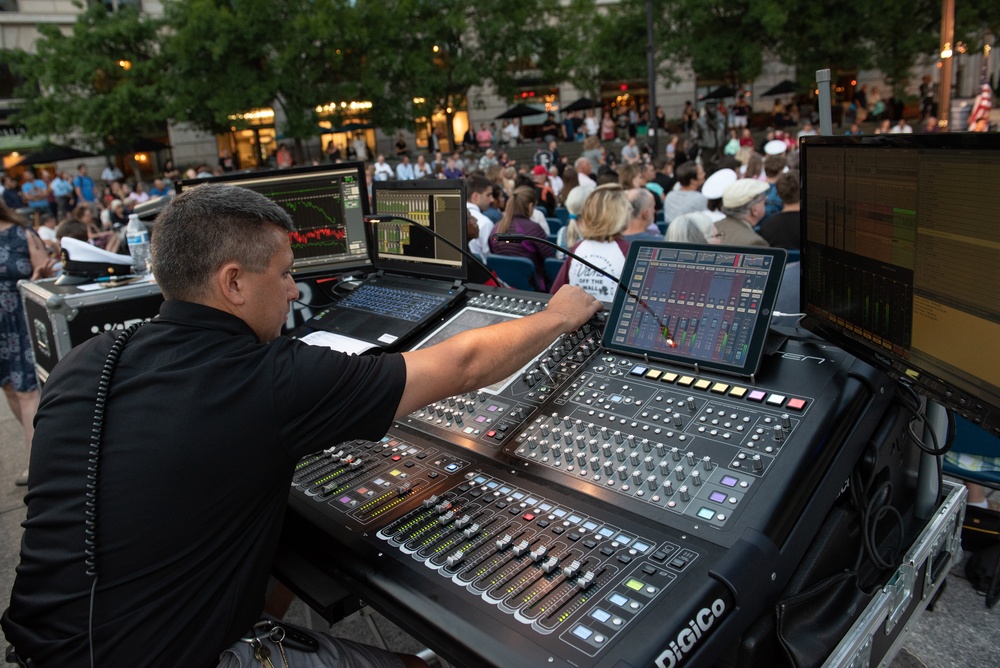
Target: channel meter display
708	306
327	205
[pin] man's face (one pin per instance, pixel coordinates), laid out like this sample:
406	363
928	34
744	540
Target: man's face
701	175
270	292
483	199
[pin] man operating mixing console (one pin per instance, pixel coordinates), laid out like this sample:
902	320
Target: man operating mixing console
208	411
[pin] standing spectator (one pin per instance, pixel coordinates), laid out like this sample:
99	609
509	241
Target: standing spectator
434	144
484	138
550	128
35	192
332	151
517	220
401	147
688	117
607	128
226	161
12	194
283	157
24	256
512	133
83	185
62	189
591	124
360	147
111	173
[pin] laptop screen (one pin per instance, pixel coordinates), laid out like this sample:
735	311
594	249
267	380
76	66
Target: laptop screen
402	247
698	305
327	204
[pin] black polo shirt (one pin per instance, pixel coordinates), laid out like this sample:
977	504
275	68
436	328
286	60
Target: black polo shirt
202	430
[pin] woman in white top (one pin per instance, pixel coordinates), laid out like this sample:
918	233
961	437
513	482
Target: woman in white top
604	216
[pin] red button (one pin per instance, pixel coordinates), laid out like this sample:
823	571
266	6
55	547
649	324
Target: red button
529	516
491	433
396	458
796	404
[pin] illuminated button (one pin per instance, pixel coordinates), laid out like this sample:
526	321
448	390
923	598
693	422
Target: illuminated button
654	374
738	392
634	584
757	395
776	400
601	615
703	384
638	371
720	388
796	404
529	516
583	632
669	377
718	497
706	513
685	381
729	481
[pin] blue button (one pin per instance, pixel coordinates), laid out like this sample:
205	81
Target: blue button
706	513
451	467
618	600
601	615
638	371
582	632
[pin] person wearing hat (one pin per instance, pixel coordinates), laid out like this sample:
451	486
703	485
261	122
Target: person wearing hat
488	160
713	188
775	147
546	196
743	204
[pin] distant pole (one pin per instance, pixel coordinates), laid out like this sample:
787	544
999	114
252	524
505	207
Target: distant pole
825	118
947	48
651	73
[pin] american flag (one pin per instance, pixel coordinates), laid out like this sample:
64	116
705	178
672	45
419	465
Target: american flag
984	102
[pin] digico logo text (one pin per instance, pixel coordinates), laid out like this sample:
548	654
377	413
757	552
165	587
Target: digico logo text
689	637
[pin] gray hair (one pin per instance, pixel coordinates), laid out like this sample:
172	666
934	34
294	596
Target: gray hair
641	200
689	228
743	212
202	229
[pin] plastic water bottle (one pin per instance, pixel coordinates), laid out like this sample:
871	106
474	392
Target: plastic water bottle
138	244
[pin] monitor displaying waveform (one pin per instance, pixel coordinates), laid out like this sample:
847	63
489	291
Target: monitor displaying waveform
327	205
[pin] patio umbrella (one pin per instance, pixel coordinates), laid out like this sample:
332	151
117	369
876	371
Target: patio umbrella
719	93
582	104
52	153
783	88
346	127
520	111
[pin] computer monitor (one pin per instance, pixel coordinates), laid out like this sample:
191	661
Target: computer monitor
703	306
327	203
901	259
436	204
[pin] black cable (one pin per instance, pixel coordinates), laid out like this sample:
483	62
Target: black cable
93	459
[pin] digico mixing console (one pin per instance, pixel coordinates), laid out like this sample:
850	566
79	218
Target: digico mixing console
598	508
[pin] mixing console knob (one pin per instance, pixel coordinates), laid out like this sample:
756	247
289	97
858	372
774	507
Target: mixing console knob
679	472
581	458
544	445
595	463
458	417
556	453
604	433
594	445
622	473
633	458
504	543
661	449
675	453
758	464
451	401
592	428
532	443
690	404
579	356
573	568
646	445
550	565
786	421
585	580
664	468
651	483
668	488
695	478
779	435
620	454
431	500
649	462
609	468
556	419
706	462
691	459
471	530
581	443
683	492
456	558
569	454
481	395
568	437
637	477
606	449
544	430
677	419
580	426
445	519
521	548
538	553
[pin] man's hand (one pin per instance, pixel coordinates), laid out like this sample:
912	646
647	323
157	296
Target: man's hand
575	304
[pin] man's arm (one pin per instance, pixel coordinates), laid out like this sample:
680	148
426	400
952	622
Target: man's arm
479	357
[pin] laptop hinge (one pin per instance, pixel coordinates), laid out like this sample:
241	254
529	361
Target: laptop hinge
457	284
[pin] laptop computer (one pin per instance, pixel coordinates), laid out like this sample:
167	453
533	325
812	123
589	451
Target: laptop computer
416	275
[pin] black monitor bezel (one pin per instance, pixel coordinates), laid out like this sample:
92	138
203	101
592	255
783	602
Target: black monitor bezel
460	273
314	267
954	392
755	350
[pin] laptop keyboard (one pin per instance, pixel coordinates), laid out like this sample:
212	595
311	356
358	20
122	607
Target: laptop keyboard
408	305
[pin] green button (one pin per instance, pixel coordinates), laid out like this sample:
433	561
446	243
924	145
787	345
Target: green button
634	584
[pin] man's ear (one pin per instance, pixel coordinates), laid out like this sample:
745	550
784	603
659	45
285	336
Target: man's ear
229	281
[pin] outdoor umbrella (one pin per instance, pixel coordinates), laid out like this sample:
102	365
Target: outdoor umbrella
582	104
52	153
521	110
719	93
347	127
783	88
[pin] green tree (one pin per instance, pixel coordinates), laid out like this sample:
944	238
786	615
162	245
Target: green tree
100	85
601	44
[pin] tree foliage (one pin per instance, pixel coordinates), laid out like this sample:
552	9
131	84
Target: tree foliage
101	84
602	43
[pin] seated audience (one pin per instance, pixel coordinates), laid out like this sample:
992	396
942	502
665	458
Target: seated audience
517	220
